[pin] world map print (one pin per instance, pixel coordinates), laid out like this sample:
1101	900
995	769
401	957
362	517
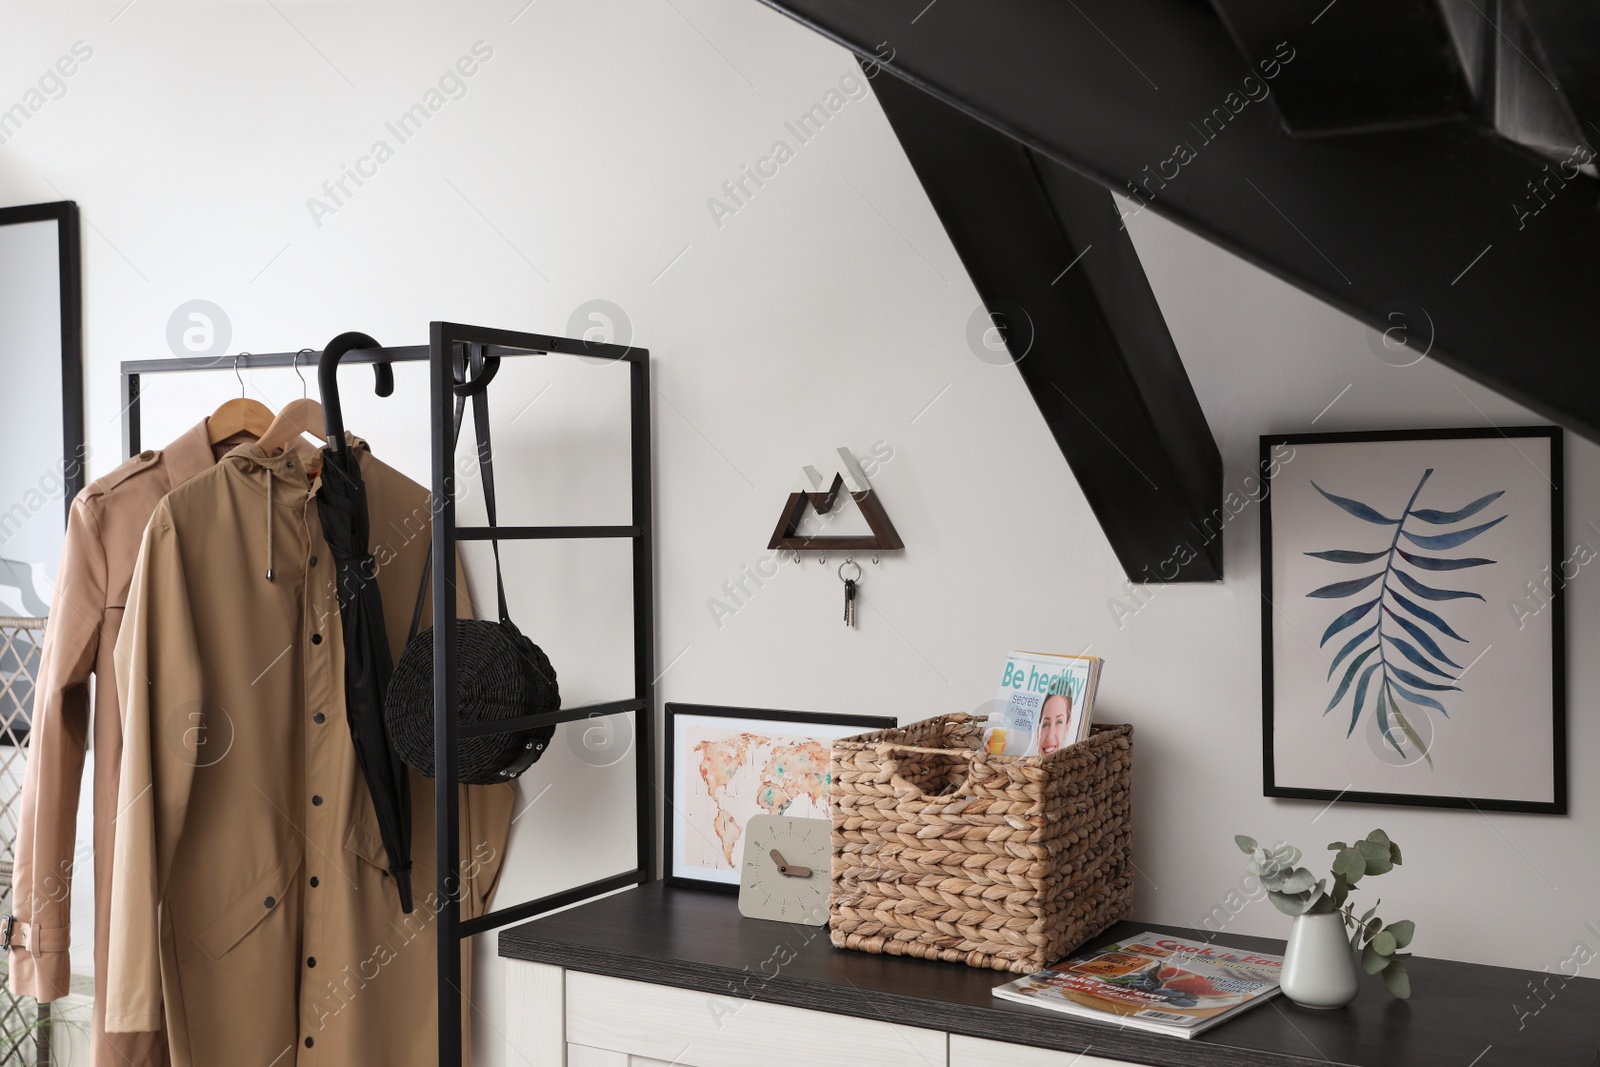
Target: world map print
745	774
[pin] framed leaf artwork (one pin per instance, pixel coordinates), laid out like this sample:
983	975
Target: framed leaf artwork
1412	619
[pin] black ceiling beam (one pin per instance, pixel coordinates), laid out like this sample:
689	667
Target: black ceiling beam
1564	53
1485	248
1375	64
1046	250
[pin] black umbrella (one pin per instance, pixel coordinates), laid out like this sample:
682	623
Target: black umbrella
342	506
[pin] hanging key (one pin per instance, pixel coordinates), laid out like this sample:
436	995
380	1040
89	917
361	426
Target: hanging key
850	590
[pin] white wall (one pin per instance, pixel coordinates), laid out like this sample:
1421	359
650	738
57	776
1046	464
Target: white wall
829	310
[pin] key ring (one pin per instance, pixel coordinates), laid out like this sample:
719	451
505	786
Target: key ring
850	563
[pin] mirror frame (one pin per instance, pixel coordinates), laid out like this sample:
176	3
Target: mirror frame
65	214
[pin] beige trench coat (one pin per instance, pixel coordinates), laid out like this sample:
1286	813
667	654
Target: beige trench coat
251	909
104	528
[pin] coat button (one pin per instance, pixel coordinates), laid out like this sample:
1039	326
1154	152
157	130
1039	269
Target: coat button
313	561
311	961
310	1042
316	799
315	881
316	639
319	718
147	455
270	901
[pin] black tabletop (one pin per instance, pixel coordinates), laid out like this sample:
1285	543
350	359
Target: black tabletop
1459	1015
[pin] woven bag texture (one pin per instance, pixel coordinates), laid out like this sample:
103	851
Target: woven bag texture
500	674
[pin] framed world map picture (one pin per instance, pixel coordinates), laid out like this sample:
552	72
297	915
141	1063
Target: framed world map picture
1412	617
725	765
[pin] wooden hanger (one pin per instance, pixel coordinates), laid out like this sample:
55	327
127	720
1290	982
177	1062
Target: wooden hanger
297	417
239	415
236	416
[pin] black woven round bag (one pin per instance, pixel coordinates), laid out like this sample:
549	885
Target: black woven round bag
500	674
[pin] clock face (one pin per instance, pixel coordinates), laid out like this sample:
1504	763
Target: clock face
786	872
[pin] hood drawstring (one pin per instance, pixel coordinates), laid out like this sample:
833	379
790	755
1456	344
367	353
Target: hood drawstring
270	480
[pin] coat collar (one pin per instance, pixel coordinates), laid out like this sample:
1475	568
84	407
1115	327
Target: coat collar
190	454
285	468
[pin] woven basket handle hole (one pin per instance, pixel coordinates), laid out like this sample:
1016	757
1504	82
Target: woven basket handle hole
934	775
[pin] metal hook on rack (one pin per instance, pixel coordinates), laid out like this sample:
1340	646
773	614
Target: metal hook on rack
874	557
797	555
237	357
297	374
823	557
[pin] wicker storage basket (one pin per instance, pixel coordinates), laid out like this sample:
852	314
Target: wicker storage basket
944	852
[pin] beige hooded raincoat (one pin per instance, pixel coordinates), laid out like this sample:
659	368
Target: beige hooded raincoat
251	911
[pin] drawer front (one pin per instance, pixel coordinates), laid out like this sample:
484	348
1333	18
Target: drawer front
584	1056
973	1052
681	1026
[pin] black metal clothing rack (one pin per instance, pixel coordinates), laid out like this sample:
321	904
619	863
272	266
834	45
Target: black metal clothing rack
448	343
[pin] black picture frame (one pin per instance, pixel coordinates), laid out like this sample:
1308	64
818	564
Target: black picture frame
669	748
70	265
1271	787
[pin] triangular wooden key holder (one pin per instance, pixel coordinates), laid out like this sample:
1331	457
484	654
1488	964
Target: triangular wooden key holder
822	496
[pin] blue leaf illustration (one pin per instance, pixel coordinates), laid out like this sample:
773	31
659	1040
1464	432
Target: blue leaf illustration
1344	683
1340	555
1416	698
1422	638
1449	540
1361	697
1383	722
1418	682
1428	592
1356	508
1418	650
1348	618
1344	589
1441	518
1351	647
1435	563
1426	616
1409	651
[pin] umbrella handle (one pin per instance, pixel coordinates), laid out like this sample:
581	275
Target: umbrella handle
328	382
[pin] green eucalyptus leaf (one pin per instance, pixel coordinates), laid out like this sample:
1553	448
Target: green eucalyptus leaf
1298	881
1403	932
1376	856
1394	853
1338	846
1371	961
1370	913
1290	903
1378	837
1395	977
1246	845
1350	864
1383	942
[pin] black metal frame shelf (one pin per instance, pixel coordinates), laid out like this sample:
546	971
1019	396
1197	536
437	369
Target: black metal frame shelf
447	344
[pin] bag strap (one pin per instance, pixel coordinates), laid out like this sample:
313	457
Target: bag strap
483	370
480	426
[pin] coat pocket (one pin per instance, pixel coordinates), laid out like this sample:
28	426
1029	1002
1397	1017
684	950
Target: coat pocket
266	896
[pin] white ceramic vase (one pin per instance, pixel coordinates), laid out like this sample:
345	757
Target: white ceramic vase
1319	969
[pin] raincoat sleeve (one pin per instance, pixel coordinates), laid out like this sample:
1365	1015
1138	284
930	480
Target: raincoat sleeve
47	828
159	685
